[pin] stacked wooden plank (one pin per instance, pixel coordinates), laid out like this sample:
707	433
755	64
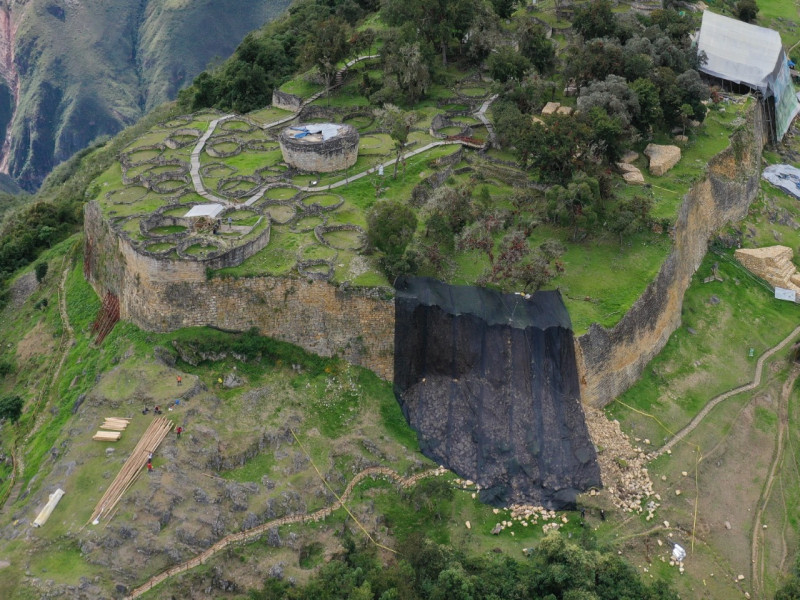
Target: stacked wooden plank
135	464
115	425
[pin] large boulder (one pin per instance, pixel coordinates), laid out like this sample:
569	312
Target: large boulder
662	158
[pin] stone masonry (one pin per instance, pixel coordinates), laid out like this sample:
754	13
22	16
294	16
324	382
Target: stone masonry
611	360
163	295
773	263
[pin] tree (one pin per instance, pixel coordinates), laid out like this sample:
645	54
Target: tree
327	47
576	204
41	271
687	112
507	64
477	237
595	60
534	45
693	92
518	265
746	10
606	132
504	8
399	123
438	21
11	408
406	72
614	96
390	227
555	151
595	20
649	105
629	216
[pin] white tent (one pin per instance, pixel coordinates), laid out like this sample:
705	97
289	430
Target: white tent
205	210
752	56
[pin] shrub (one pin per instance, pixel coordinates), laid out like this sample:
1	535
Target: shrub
11	408
746	10
390	227
41	271
7	366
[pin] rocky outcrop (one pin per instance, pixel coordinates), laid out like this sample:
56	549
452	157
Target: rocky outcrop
662	158
490	383
611	360
85	72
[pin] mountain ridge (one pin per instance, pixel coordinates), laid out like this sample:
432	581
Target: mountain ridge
133	57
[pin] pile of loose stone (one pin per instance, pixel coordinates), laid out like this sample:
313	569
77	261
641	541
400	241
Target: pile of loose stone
622	466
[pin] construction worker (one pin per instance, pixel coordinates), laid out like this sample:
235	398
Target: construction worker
180	381
149	467
157	410
179	430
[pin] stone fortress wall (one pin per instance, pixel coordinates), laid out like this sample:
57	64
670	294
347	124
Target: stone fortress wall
159	294
611	360
358	324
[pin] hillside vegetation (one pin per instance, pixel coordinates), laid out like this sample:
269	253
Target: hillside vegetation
86	70
276	439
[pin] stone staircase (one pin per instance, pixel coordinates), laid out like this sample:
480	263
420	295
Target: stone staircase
773	263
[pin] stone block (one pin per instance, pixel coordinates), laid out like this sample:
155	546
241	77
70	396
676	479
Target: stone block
629	157
634	177
550	108
662	158
564	110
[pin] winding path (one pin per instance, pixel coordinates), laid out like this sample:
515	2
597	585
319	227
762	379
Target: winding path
197	180
724	396
249	535
756	549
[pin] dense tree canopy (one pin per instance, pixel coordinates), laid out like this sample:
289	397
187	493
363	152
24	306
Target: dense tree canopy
422	570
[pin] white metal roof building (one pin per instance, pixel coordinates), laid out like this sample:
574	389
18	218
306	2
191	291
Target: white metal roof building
751	56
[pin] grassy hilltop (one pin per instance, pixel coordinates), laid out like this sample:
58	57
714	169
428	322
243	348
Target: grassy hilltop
274	435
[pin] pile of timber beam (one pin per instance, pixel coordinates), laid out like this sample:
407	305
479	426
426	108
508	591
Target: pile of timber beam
107	436
115	424
135	464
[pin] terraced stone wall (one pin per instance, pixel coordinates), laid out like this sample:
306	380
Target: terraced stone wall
611	360
164	295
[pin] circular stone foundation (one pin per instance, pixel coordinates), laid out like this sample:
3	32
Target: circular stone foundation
320	147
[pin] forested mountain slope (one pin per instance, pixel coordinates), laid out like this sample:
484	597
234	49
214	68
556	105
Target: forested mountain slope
72	70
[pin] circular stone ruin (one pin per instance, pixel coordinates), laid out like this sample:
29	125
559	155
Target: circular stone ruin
320	147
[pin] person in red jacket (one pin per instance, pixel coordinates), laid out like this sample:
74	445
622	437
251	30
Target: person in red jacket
179	430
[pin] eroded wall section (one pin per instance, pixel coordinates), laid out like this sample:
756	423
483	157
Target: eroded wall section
611	360
164	295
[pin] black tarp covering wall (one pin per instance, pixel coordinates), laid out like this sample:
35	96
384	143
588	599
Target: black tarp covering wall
490	383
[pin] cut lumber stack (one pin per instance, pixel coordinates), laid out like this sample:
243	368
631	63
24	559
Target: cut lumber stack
135	464
115	424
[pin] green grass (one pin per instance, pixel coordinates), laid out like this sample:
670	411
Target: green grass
781	15
168	229
300	86
253	470
694	367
